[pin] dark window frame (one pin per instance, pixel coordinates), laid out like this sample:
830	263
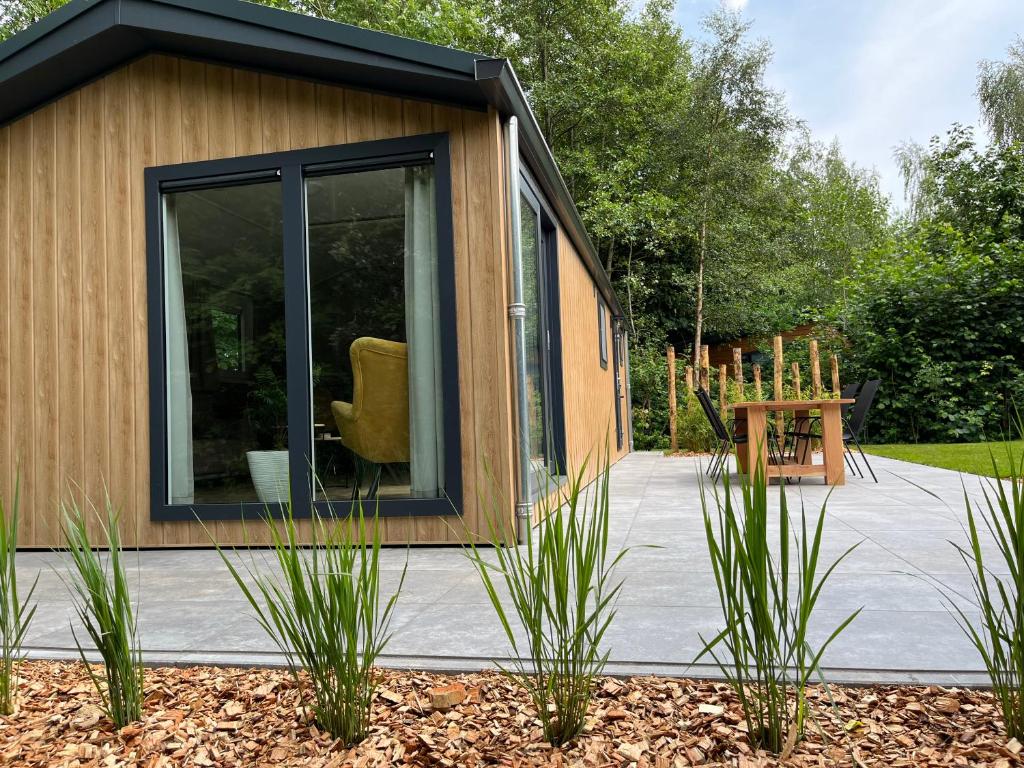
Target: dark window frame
292	168
602	330
554	388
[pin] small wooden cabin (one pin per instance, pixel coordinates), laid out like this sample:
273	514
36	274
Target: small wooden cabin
244	251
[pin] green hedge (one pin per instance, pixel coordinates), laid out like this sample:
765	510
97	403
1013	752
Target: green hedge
940	320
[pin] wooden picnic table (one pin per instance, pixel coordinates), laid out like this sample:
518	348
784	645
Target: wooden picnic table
752	420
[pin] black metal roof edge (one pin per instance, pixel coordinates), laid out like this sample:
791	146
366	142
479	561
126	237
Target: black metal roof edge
495	78
499	80
407	49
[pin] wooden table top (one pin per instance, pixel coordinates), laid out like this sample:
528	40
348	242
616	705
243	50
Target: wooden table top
790	405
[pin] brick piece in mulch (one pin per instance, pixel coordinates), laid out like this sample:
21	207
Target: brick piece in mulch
205	716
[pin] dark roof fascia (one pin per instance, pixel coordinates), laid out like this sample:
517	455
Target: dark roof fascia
86	38
499	81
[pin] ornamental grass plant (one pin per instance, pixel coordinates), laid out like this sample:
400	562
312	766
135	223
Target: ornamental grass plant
99	589
15	612
768	588
322	606
561	596
998	583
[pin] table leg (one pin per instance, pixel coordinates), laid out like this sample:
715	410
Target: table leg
757	441
832	444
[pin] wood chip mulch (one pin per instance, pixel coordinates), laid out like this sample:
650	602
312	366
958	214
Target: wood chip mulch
205	716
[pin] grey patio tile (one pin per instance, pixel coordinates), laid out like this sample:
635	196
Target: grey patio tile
192	609
896	640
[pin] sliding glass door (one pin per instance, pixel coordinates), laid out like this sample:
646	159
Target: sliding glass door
297	308
375	335
225	351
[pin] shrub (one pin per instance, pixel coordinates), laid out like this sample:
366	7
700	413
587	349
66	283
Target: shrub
999	633
649	391
692	426
99	589
323	610
562	598
938	320
15	614
763	651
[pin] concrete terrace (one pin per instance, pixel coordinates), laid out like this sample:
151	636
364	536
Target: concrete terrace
192	612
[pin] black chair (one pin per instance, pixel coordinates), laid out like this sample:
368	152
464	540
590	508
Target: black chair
853	424
726	438
804	427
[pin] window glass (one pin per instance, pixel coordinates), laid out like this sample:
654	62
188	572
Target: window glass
224	316
375	334
602	331
530	244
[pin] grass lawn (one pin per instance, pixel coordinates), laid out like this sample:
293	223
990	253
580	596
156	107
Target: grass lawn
975	458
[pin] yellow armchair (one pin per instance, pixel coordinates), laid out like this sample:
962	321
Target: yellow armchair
375	425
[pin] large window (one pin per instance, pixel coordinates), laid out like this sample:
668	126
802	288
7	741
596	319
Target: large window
302	332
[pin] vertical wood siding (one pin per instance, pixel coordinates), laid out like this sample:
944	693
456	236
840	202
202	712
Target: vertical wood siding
589	388
74	389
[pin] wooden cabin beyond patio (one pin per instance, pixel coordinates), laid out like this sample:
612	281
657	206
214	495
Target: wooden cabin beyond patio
244	251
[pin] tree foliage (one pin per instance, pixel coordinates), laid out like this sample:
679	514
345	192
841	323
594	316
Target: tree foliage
937	313
1001	96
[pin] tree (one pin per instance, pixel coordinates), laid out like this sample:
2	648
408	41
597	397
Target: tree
730	131
936	312
1001	96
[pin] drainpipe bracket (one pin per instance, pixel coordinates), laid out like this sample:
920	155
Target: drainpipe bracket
517	310
523	510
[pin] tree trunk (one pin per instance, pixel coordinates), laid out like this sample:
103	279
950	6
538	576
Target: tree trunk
629	291
699	309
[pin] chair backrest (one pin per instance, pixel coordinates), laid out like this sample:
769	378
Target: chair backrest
860	410
712	414
379	429
849	393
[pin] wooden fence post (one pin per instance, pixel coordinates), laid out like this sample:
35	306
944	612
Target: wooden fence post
723	390
835	375
756	368
689	378
705	368
779	394
815	369
796	380
737	370
672	437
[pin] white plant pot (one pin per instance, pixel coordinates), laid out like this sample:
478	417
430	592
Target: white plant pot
269	470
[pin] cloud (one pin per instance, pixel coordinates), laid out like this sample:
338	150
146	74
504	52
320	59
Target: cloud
734	5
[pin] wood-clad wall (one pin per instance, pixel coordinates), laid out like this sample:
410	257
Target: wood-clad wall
589	388
74	391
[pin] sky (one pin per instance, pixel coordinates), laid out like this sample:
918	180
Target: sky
875	73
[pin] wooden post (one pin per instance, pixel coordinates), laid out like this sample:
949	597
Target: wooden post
815	369
705	368
689	378
835	375
672	436
756	368
723	390
778	394
737	370
796	380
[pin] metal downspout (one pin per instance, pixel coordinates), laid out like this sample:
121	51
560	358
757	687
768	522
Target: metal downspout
628	389
517	319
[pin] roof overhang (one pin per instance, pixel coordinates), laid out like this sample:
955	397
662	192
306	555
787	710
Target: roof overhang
87	38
